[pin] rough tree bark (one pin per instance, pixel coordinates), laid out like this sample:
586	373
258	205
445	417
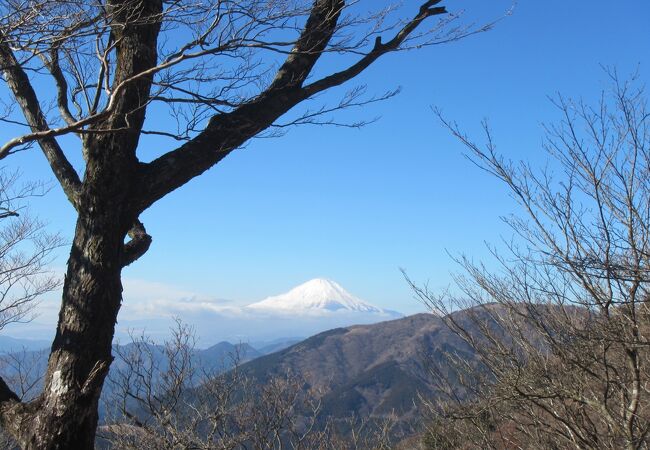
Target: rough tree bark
117	187
65	415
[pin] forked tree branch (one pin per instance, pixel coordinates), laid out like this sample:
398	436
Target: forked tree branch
23	91
427	10
228	131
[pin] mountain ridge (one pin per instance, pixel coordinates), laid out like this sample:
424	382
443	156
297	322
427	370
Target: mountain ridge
365	370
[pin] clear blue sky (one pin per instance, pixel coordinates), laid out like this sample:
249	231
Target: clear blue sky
355	205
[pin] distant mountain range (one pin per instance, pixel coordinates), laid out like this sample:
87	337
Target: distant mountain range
360	370
218	358
364	370
24	362
10	344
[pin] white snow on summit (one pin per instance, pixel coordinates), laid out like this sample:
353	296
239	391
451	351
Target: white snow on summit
306	310
317	295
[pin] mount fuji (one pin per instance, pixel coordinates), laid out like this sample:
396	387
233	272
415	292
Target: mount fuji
319	297
312	307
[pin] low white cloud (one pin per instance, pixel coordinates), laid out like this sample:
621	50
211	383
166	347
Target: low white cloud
154	299
150	307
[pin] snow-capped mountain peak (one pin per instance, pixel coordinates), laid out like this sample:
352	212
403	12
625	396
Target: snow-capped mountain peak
313	296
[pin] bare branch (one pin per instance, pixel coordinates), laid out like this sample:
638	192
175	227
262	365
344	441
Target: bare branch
227	131
26	97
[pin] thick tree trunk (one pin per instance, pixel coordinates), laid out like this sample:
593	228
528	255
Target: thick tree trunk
81	352
65	416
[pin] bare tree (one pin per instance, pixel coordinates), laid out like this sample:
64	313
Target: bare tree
225	70
558	333
162	397
25	250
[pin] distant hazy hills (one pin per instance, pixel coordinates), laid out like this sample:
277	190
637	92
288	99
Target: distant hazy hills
362	370
9	344
23	362
367	370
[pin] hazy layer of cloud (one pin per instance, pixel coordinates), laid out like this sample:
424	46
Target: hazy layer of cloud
151	307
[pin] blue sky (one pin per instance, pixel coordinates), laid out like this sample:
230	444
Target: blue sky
356	205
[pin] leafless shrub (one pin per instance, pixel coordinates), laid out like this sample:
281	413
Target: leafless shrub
25	251
161	398
557	334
